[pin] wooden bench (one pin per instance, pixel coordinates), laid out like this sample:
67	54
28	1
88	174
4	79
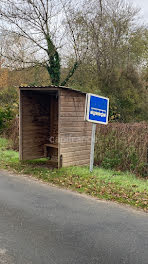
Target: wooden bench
46	146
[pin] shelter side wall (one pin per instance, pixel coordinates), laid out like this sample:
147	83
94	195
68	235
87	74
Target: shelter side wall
35	109
74	132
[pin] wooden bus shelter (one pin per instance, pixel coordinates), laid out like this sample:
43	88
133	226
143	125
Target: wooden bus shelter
52	125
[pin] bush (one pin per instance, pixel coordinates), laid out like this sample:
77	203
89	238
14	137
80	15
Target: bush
123	147
8	108
13	133
6	115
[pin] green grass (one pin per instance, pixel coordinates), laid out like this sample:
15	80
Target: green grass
104	184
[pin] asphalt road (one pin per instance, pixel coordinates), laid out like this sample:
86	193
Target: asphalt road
43	224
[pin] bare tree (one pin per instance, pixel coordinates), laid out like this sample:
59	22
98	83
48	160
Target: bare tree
108	25
16	51
40	23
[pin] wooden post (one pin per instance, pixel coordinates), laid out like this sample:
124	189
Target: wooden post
20	127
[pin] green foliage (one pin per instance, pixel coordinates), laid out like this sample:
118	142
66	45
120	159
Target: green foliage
115	159
85	77
127	94
5	116
9	96
125	88
112	152
138	44
8	107
70	73
3	143
54	68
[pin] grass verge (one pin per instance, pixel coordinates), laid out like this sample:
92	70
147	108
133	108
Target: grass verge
103	184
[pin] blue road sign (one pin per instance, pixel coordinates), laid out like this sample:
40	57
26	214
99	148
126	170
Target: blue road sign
97	109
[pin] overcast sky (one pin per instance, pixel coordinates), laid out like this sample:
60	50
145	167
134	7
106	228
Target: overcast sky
143	4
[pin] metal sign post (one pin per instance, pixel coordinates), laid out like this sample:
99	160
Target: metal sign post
96	111
92	147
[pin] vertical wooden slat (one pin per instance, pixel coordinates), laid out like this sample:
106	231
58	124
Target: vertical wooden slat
20	127
59	145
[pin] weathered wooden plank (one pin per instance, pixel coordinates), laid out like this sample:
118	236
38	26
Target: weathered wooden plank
69	93
76	158
35	130
29	157
38	117
59	126
84	162
74	135
34	126
74	149
20	127
27	152
72	104
66	119
36	150
75	129
75	154
47	89
34	146
71	144
36	123
28	103
29	134
72	108
40	142
27	140
76	99
75	123
71	114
